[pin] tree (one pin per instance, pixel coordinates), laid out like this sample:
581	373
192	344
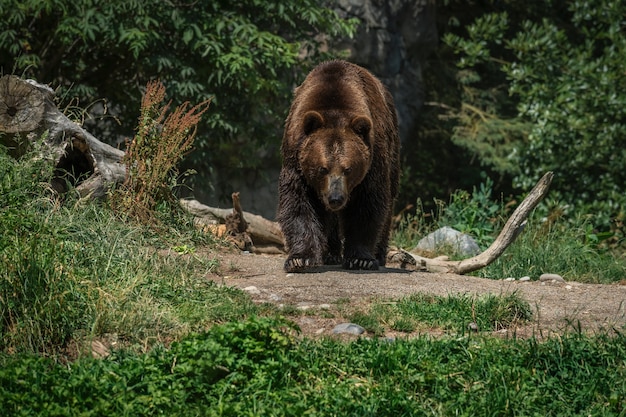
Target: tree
556	99
244	54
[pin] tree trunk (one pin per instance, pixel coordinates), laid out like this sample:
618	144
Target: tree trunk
28	115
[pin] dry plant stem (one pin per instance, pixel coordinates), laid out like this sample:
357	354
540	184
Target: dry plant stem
513	227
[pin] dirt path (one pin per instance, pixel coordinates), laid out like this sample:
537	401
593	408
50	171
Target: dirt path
329	292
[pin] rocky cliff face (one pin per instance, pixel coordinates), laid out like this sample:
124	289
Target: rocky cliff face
393	41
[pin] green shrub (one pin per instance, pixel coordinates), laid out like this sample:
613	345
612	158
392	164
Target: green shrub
546	92
256	368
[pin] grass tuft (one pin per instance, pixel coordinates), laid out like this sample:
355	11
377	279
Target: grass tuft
452	313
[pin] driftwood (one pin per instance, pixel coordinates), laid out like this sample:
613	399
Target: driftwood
513	227
28	115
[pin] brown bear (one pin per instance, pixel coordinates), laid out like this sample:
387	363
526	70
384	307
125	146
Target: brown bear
340	169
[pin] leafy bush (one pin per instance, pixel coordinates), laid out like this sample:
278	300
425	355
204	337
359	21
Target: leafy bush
254	368
475	213
563	102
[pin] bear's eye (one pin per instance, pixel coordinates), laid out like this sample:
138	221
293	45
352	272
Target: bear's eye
323	170
347	170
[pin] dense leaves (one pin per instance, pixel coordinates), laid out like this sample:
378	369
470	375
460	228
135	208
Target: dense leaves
550	94
256	368
244	54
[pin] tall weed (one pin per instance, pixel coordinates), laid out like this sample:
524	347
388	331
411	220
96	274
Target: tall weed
161	142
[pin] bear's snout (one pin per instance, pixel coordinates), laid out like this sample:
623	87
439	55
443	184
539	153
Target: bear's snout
336	196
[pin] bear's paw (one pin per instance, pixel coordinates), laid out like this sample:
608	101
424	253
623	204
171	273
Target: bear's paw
299	264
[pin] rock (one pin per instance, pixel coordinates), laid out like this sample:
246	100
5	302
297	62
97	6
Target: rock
348	328
551	277
275	297
524	279
473	327
447	237
252	290
509	279
303	306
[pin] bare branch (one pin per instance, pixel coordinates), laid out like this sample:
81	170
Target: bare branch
513	227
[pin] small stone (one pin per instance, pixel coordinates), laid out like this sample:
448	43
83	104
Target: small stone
551	277
568	287
348	328
324	306
303	306
509	279
252	290
320	331
473	327
275	297
524	279
290	275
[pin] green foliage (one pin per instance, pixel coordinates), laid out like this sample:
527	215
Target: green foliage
244	54
561	106
556	239
475	213
255	368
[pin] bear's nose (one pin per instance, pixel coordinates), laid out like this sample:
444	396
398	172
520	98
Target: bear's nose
335	200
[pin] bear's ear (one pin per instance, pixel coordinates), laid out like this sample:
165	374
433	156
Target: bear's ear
312	121
362	126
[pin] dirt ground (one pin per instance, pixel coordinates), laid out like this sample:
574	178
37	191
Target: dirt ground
327	294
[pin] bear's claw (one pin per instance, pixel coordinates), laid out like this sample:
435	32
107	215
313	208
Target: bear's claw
356	263
298	264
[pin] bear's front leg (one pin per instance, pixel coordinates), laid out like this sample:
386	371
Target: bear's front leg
359	246
299	219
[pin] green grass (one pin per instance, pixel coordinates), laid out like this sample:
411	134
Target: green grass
256	367
452	313
76	271
552	241
561	251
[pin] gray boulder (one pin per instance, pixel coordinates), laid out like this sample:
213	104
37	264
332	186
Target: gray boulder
449	238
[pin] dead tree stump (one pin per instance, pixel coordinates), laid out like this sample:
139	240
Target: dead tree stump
28	115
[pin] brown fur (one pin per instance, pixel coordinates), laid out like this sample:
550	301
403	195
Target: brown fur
340	169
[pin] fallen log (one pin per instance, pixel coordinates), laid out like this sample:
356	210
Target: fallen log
513	227
29	116
265	234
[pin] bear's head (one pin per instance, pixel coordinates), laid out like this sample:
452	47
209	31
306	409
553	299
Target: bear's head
335	154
